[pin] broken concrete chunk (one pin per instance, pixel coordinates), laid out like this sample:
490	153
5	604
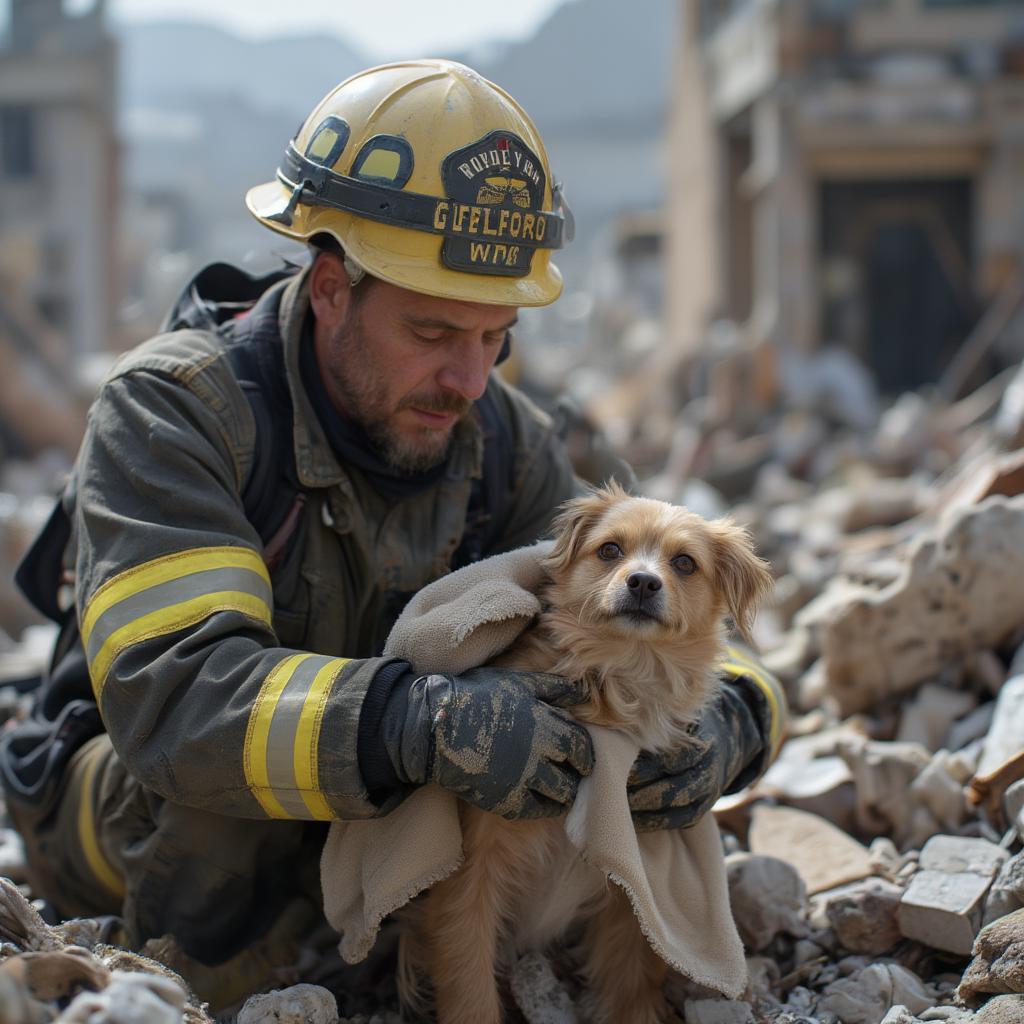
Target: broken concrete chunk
767	897
299	1004
538	993
962	589
943	909
864	997
928	717
943	905
865	915
824	856
998	964
958	853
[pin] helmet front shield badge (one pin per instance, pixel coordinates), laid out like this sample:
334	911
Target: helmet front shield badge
491	218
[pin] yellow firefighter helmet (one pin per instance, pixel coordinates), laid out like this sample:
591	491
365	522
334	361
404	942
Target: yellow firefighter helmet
429	177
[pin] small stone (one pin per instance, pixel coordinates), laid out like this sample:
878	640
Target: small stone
540	996
998	964
299	1004
865	915
767	897
1003	741
717	1011
952	1014
824	856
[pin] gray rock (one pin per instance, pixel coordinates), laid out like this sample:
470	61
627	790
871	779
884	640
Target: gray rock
864	997
130	998
1013	805
1007	892
299	1004
998	964
539	995
717	1011
865	915
962	590
767	897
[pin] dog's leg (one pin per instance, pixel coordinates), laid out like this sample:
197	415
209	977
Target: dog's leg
624	975
464	916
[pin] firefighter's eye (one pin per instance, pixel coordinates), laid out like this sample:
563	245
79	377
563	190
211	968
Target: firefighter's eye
609	551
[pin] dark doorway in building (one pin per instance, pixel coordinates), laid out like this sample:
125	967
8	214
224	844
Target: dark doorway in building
896	275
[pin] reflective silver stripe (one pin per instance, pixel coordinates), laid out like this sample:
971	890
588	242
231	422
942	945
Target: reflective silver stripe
284	727
172	592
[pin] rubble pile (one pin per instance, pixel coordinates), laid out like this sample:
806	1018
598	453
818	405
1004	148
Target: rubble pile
877	870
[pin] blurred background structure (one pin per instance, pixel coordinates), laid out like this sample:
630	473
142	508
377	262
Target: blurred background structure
789	213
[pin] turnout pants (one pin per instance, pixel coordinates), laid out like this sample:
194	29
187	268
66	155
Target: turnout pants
226	889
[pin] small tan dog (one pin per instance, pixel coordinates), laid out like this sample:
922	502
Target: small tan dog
636	608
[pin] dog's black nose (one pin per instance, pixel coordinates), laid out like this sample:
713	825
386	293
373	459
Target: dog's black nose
643	583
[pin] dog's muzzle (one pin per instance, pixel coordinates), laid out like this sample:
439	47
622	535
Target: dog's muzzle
641	597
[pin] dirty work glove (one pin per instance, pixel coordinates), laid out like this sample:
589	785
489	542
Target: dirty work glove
490	736
730	748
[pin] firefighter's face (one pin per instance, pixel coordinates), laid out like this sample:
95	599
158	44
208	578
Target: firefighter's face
407	367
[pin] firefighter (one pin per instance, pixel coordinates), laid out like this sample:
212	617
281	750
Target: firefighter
256	498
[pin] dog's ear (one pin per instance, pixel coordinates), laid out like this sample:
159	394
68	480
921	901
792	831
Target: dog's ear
571	525
743	579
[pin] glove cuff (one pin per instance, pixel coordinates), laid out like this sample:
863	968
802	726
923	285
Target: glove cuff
376	764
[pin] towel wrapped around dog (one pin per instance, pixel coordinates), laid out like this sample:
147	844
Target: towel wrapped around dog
675	880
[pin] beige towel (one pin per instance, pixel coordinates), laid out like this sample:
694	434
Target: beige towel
675	880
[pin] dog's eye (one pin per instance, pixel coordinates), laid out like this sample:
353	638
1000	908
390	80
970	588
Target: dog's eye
684	565
609	551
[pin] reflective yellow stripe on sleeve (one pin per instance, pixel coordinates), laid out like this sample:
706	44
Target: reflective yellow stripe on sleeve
740	663
282	739
168	594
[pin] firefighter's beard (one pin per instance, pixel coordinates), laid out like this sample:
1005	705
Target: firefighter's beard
359	380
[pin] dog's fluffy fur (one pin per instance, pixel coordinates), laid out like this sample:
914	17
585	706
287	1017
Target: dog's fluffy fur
636	608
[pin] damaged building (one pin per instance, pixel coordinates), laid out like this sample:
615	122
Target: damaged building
850	174
58	169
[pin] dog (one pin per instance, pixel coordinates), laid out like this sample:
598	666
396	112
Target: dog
636	608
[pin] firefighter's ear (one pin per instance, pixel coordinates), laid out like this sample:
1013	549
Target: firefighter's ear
330	290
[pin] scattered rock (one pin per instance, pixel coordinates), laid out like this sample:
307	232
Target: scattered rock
299	1004
823	855
1007	1009
864	997
962	589
942	907
540	996
998	964
1007	892
865	915
767	897
129	999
